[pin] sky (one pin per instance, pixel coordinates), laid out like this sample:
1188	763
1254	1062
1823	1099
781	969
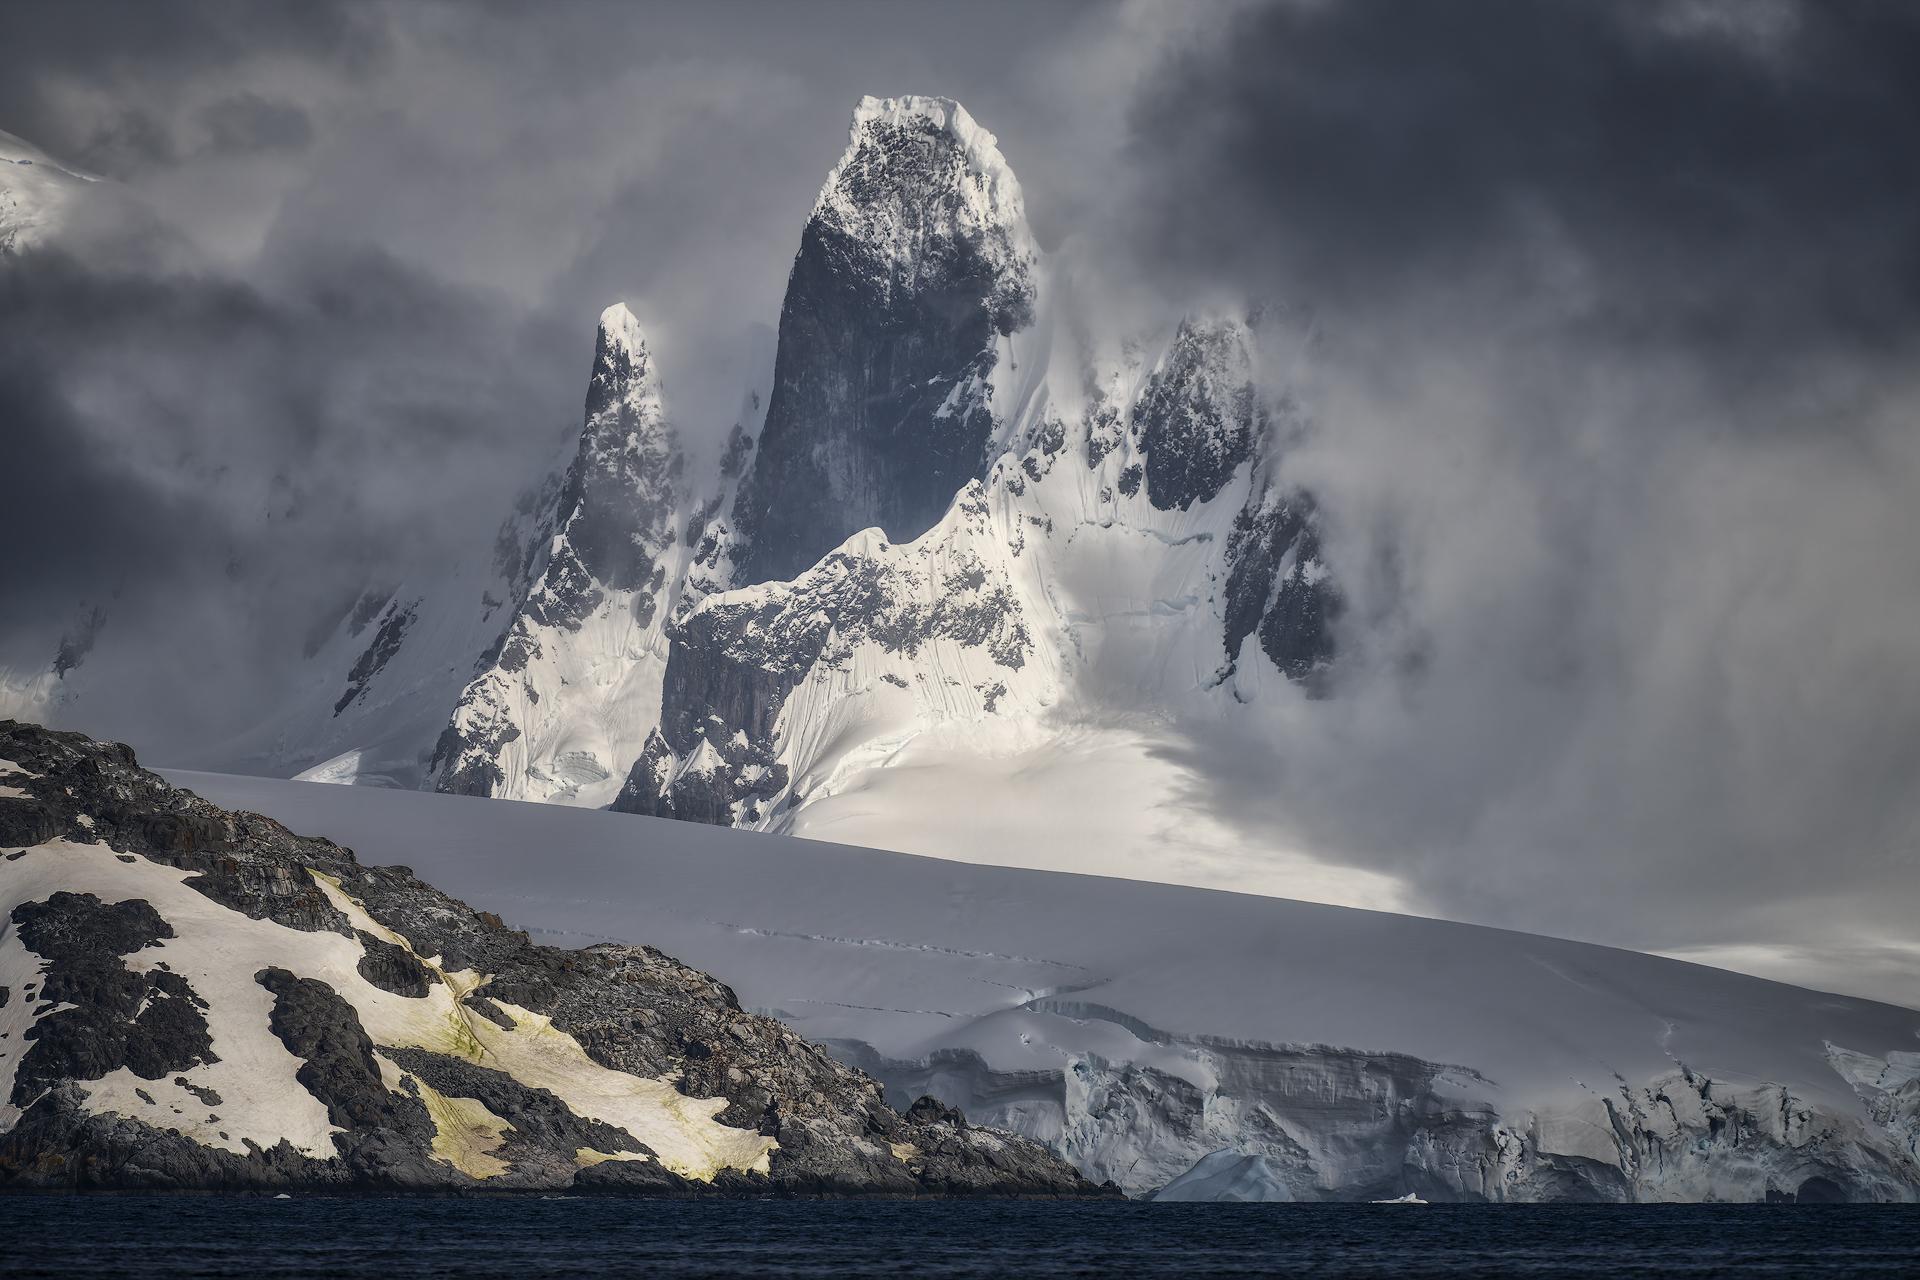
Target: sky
1613	407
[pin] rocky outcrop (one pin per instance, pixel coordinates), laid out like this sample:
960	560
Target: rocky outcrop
1279	589
386	642
1199	415
737	658
915	259
200	999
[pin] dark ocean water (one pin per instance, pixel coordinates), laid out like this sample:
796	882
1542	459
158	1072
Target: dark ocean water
152	1236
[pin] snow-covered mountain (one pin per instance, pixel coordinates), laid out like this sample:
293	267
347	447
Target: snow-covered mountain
35	190
958	522
1113	520
1140	1029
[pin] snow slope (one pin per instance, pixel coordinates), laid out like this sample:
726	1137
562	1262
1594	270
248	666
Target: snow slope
35	190
1140	1027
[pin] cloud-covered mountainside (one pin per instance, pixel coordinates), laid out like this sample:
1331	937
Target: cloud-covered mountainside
1588	363
947	515
1141	1030
195	999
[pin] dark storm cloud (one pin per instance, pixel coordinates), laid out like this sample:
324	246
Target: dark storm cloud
333	307
221	466
1619	308
146	53
55	476
1729	175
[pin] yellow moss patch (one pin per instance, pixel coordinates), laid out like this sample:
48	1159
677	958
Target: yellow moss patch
465	1133
442	1022
683	1131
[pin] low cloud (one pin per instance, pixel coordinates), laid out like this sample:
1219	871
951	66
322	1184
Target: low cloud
1615	413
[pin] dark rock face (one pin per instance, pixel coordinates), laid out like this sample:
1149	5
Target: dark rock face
1277	586
466	757
393	968
386	643
150	1023
630	1009
1198	417
323	1030
26	822
739	781
879	413
628	461
928	1109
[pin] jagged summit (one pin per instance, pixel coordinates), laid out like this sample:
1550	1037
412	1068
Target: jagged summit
620	330
914	268
628	458
992	191
625	407
919	170
595	564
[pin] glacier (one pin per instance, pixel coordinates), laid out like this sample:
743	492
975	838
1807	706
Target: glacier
1143	1029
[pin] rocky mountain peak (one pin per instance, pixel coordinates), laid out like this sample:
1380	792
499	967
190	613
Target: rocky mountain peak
624	393
629	458
600	545
918	169
923	190
915	265
620	335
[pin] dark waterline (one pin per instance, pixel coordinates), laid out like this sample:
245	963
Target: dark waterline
152	1236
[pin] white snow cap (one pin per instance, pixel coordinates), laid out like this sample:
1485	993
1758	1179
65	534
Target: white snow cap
17	150
943	113
999	190
619	328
